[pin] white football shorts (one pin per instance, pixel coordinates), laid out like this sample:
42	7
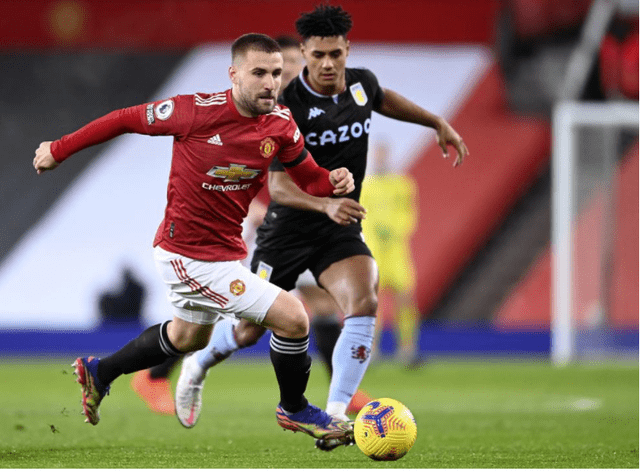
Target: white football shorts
306	279
201	292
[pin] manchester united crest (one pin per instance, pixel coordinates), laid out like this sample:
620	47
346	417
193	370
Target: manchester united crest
267	148
237	287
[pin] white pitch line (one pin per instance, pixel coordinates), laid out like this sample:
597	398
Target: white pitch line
520	405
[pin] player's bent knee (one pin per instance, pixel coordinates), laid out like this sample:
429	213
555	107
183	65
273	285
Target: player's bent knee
296	321
299	326
188	337
287	317
365	306
248	334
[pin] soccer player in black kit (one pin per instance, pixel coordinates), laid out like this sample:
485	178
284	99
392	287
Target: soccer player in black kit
332	105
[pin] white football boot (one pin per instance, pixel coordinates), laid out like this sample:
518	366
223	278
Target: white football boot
189	392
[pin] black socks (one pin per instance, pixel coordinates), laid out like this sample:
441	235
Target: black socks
149	349
292	365
326	332
162	371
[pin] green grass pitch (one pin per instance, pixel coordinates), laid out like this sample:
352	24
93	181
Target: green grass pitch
470	414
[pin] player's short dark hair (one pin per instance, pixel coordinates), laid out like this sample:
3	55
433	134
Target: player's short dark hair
324	21
286	41
253	42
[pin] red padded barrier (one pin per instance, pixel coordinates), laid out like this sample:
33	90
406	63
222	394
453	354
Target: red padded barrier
459	208
619	66
529	305
624	280
629	67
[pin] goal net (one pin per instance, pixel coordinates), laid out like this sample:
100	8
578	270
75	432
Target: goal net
594	231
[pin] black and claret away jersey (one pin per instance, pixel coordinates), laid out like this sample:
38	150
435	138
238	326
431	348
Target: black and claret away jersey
336	130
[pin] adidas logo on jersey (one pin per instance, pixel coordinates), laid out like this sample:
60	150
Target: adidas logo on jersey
215	140
314	112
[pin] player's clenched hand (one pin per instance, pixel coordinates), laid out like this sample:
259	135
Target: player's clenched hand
446	135
342	180
44	160
344	211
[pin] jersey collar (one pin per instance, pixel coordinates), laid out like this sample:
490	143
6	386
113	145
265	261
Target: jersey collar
303	79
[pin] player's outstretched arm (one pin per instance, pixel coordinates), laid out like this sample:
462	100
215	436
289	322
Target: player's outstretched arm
398	107
51	153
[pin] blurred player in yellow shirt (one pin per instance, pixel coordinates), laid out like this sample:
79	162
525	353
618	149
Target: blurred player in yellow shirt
390	200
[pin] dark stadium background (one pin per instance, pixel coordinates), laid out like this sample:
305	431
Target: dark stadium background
484	282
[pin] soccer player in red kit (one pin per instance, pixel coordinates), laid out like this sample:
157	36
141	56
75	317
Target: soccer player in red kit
223	146
153	385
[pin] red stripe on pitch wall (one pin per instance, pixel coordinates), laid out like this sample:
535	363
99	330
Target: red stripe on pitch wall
529	305
459	208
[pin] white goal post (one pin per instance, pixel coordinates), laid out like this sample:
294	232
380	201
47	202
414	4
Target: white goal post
568	118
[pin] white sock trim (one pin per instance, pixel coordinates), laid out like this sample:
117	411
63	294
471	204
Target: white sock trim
336	408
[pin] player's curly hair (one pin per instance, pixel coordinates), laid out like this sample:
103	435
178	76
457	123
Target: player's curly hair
323	21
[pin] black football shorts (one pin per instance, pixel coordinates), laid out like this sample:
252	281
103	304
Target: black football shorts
282	265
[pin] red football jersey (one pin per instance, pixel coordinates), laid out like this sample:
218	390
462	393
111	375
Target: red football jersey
220	162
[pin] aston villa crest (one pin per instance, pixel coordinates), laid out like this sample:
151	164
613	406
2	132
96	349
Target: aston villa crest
359	95
360	353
